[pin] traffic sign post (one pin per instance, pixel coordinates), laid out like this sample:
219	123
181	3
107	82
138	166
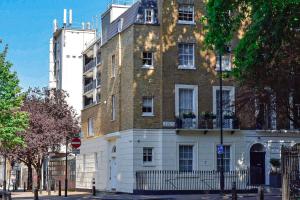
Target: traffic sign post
220	149
76	142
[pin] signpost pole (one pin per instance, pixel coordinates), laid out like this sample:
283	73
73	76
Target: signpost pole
66	170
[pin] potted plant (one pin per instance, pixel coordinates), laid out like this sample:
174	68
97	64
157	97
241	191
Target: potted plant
275	175
189	120
207	118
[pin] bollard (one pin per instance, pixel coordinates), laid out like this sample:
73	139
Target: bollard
94	187
9	196
59	188
36	194
234	194
24	187
260	195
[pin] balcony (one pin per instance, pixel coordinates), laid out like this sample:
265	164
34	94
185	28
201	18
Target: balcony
89	66
206	122
87	101
90	86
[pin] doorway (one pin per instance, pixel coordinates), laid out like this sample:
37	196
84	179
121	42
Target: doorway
257	164
113	170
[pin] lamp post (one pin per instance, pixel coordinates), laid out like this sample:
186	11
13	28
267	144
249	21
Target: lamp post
221	126
66	170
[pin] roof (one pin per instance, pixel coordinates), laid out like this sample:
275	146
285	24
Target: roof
134	15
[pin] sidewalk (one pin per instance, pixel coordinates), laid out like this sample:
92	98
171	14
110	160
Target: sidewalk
270	194
21	194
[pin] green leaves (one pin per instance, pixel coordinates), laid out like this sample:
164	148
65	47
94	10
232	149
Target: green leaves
12	120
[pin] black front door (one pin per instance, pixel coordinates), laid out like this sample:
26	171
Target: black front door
257	168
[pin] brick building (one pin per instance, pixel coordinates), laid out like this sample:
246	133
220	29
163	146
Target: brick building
147	83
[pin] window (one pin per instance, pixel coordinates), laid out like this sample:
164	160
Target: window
186	105
113	108
113	66
228	106
226	62
147	108
98	97
98	57
186	56
96	160
90	127
147	59
185	157
147	154
149	16
186	14
226	159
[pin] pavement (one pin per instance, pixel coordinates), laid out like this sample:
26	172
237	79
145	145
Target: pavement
270	194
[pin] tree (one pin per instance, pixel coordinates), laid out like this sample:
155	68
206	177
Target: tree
267	55
51	121
12	120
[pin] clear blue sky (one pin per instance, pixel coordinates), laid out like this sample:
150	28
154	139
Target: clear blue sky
26	26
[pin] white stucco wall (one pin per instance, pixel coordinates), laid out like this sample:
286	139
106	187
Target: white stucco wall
165	143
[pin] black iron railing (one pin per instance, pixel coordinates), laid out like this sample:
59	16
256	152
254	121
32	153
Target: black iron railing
290	169
90	86
201	123
172	180
89	66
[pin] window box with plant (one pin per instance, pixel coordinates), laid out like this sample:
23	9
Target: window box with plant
275	175
207	120
189	120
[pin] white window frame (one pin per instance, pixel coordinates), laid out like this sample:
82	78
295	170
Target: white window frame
152	60
186	66
195	153
152	16
113	108
148	114
224	68
185	21
195	98
113	65
148	163
90	127
232	99
232	153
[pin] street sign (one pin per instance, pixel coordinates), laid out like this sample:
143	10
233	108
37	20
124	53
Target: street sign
220	149
76	151
76	143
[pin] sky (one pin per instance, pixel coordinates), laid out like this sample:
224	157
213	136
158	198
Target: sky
27	25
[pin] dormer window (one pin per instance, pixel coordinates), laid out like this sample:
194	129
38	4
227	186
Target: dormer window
149	16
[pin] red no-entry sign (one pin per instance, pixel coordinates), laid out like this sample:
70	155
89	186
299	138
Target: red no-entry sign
76	143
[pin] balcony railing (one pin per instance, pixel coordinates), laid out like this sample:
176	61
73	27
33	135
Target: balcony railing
98	82
206	123
89	66
90	86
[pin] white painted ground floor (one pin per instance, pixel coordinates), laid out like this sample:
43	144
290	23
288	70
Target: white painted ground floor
112	160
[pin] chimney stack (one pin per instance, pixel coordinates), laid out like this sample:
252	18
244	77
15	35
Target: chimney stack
70	17
65	17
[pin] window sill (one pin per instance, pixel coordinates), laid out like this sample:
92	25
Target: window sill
147	67
186	67
224	69
186	22
150	164
148	115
